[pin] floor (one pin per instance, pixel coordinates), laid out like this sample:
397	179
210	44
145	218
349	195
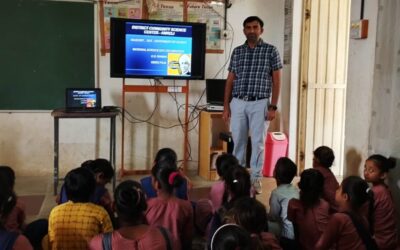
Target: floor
37	192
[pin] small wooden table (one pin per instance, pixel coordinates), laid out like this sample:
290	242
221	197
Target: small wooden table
61	113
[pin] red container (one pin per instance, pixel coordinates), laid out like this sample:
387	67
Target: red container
276	145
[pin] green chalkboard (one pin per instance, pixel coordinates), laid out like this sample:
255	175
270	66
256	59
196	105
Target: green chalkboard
45	47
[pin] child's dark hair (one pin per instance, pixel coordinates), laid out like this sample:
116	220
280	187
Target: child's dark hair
231	236
100	165
7	179
237	184
130	201
357	190
250	214
359	193
79	184
224	163
285	170
166	154
7	199
384	164
167	176
9	175
311	187
325	156
252	19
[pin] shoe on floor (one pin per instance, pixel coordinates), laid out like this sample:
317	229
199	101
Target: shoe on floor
257	186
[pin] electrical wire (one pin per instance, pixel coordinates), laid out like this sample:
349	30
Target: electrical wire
194	114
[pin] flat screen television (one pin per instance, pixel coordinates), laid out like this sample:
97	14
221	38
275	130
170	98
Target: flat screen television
157	49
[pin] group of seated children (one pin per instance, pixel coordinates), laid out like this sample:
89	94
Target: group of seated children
156	213
326	215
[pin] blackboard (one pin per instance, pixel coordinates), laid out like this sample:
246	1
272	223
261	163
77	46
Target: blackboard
45	47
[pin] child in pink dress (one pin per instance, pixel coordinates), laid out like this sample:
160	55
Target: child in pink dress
168	211
343	228
168	155
133	233
237	185
310	213
384	224
224	164
322	161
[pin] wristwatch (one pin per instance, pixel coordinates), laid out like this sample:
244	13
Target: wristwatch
273	107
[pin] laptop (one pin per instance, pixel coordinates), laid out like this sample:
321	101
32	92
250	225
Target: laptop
83	100
215	91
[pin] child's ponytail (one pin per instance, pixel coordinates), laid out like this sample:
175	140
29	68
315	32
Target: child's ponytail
383	163
167	175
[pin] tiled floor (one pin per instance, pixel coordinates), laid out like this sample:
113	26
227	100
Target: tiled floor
37	192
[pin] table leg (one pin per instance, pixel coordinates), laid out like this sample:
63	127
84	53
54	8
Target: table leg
56	121
112	149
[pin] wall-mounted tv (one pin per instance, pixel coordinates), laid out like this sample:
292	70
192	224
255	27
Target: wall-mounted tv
157	49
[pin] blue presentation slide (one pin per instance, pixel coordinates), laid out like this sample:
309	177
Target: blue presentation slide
157	49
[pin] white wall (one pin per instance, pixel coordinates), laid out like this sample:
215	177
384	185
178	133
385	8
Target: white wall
384	133
373	107
26	139
359	90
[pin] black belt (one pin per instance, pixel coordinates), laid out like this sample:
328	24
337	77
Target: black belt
247	98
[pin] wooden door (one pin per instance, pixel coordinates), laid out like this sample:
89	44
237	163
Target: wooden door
323	79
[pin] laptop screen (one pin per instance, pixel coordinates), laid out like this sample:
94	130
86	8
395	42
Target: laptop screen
83	98
215	89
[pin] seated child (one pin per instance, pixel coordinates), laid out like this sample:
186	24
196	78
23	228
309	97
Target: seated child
103	173
284	172
232	236
15	220
237	185
322	161
310	208
342	231
168	155
384	227
224	163
9	239
251	214
74	223
134	233
166	209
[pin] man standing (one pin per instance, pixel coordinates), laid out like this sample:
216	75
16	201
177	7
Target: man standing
251	95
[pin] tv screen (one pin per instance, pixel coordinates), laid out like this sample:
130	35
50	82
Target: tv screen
157	49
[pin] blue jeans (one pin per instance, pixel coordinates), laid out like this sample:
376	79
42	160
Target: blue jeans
249	116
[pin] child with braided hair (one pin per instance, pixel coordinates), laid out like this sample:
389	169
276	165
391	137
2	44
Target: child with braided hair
237	185
168	155
133	233
166	209
349	228
310	208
